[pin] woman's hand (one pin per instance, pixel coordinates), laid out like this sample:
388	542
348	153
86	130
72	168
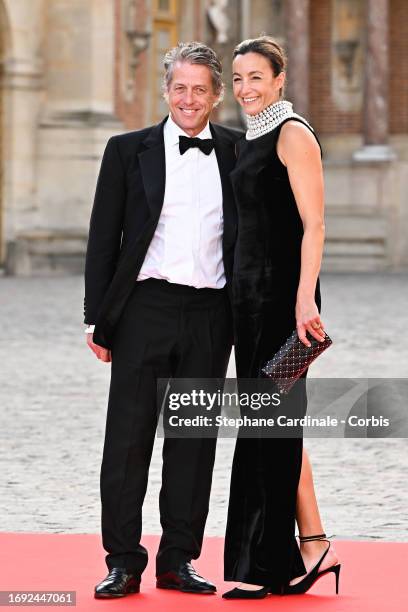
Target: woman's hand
308	319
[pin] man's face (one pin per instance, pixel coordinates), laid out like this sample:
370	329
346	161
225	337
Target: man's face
191	97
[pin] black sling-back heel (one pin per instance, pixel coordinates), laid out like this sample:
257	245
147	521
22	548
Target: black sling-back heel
310	578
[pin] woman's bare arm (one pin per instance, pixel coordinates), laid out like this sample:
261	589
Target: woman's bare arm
300	153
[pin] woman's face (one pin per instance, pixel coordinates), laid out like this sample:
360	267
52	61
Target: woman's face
254	83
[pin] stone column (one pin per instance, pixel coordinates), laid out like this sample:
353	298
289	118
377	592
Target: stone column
297	47
60	78
245	11
22	82
79	50
375	108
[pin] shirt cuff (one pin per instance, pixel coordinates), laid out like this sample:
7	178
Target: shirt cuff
90	329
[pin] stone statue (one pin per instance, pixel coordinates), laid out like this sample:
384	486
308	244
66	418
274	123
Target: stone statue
217	15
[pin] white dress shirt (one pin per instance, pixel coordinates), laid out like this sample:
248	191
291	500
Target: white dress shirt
187	245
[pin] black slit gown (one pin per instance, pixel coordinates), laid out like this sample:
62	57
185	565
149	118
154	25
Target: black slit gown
260	543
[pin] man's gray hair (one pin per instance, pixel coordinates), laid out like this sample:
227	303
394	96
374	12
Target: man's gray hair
194	53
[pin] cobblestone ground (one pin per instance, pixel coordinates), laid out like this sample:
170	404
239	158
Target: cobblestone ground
53	406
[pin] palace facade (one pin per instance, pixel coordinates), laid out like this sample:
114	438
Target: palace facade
75	72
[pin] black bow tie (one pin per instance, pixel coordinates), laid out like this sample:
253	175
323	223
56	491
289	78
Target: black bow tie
205	145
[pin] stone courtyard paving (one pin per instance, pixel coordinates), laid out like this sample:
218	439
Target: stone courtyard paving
53	394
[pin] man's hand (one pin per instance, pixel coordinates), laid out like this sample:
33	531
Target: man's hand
102	353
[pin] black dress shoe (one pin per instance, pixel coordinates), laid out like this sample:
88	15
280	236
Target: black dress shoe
118	583
185	579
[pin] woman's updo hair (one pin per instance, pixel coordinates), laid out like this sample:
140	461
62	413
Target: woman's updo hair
269	48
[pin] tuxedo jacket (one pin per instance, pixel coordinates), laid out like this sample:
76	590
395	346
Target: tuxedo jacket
128	202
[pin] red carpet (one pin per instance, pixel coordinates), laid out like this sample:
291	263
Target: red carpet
373	576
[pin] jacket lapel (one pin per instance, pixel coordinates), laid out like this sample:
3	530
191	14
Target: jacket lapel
153	168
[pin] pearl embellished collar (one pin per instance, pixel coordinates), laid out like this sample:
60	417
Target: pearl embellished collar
268	119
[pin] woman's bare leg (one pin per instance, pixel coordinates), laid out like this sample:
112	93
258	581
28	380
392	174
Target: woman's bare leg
309	521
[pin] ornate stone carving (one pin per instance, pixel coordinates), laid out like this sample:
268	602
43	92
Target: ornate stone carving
137	41
347	54
217	14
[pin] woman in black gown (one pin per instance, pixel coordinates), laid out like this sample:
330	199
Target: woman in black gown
278	186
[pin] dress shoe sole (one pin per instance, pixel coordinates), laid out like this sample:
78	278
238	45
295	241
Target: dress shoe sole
175	587
116	595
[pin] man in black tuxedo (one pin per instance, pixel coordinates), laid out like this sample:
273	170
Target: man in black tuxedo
157	278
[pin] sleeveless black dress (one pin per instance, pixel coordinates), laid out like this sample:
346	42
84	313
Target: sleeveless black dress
260	544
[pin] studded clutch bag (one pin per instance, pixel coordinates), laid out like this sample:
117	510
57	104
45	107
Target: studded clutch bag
292	359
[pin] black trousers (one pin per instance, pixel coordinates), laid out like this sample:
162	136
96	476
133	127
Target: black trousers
166	331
